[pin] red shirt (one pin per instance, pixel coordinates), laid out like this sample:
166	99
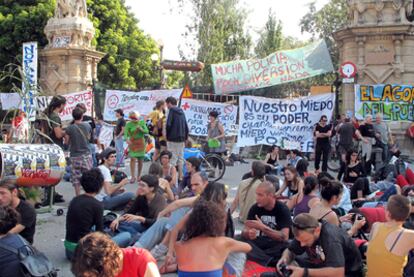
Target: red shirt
135	262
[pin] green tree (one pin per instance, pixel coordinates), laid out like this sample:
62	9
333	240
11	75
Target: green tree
21	21
128	63
174	79
271	38
219	29
324	22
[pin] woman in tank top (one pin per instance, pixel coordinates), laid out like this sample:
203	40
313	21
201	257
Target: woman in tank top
303	201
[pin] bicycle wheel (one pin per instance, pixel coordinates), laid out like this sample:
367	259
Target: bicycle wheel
214	166
334	160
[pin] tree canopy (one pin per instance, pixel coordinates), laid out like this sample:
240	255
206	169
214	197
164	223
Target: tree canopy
128	63
271	37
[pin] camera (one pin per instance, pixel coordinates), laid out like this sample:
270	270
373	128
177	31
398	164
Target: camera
284	271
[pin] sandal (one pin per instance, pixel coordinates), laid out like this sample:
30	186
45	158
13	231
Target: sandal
132	180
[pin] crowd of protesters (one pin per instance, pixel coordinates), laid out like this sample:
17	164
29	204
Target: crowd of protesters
295	221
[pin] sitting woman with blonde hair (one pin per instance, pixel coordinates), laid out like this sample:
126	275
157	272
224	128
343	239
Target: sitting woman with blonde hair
98	256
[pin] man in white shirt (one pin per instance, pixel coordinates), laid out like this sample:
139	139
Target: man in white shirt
112	196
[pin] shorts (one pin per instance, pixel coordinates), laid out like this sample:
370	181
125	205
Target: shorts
159	143
78	166
177	150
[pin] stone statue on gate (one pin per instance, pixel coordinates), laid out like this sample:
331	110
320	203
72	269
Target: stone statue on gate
71	8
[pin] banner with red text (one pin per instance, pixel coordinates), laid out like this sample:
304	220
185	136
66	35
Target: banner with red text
72	99
142	101
278	68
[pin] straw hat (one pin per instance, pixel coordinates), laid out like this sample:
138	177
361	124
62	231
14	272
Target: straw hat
134	115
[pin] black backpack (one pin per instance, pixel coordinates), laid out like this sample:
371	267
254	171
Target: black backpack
33	263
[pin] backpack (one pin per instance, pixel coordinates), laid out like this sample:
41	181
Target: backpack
33	263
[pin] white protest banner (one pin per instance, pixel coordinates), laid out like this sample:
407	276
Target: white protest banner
10	101
29	85
142	101
106	134
287	123
196	113
72	99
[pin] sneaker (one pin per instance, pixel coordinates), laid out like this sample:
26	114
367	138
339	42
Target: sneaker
159	251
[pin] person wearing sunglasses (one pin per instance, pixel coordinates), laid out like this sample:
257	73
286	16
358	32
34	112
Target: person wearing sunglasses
330	251
323	132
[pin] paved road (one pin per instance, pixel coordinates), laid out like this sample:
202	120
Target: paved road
50	230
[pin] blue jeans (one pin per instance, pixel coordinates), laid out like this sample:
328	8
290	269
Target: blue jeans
156	232
93	152
119	147
127	232
117	201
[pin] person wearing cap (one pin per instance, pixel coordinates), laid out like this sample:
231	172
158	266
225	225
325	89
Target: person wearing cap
119	136
112	196
9	196
134	134
330	250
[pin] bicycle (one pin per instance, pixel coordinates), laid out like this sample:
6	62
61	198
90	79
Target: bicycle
211	163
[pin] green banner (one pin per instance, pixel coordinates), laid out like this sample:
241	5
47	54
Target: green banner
277	68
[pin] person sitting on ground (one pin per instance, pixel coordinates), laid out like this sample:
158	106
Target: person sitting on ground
360	192
164	188
143	212
272	161
216	193
85	212
330	251
408	192
354	168
302	168
112	196
157	236
9	196
97	255
331	194
293	157
205	230
168	170
292	182
9	262
345	204
267	226
303	201
390	243
245	196
192	165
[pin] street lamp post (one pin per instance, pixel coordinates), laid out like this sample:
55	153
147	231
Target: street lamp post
155	58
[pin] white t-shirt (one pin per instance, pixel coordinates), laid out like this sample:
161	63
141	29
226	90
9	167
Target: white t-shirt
107	178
